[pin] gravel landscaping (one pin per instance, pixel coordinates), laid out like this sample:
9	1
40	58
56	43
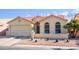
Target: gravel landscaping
71	43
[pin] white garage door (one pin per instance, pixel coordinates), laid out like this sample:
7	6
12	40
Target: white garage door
21	31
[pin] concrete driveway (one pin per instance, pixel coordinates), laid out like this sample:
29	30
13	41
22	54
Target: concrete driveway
8	41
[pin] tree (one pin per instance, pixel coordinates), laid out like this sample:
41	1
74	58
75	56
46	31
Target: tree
72	27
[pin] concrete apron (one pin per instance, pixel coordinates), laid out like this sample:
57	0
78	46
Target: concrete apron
8	42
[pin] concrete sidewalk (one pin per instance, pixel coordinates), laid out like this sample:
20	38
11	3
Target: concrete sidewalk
49	47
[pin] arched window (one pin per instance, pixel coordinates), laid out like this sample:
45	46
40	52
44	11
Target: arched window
46	28
57	27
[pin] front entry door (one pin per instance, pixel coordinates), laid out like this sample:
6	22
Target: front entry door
37	28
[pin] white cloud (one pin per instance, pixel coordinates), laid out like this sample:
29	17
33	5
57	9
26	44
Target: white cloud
64	13
28	15
55	13
77	11
69	18
41	14
47	14
74	12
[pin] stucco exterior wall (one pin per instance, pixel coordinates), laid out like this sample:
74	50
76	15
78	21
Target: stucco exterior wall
19	27
52	21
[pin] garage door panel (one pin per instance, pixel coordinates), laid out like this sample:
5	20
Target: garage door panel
21	31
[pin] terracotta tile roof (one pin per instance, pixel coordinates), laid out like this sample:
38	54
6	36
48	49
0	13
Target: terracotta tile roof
37	18
60	17
26	19
2	28
3	24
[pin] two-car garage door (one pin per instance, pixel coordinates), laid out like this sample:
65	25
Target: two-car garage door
20	30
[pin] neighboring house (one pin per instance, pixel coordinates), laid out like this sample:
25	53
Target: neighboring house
44	27
3	26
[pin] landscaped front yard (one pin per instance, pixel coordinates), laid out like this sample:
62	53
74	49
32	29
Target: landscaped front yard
14	41
71	43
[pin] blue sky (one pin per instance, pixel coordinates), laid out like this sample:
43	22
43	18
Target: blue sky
12	13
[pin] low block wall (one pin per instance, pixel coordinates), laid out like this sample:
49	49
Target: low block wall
78	34
51	35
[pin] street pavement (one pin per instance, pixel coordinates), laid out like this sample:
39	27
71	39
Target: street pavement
23	48
34	48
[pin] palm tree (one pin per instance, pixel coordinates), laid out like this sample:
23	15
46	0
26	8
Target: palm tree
72	27
68	27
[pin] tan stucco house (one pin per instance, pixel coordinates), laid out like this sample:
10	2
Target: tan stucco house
42	26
